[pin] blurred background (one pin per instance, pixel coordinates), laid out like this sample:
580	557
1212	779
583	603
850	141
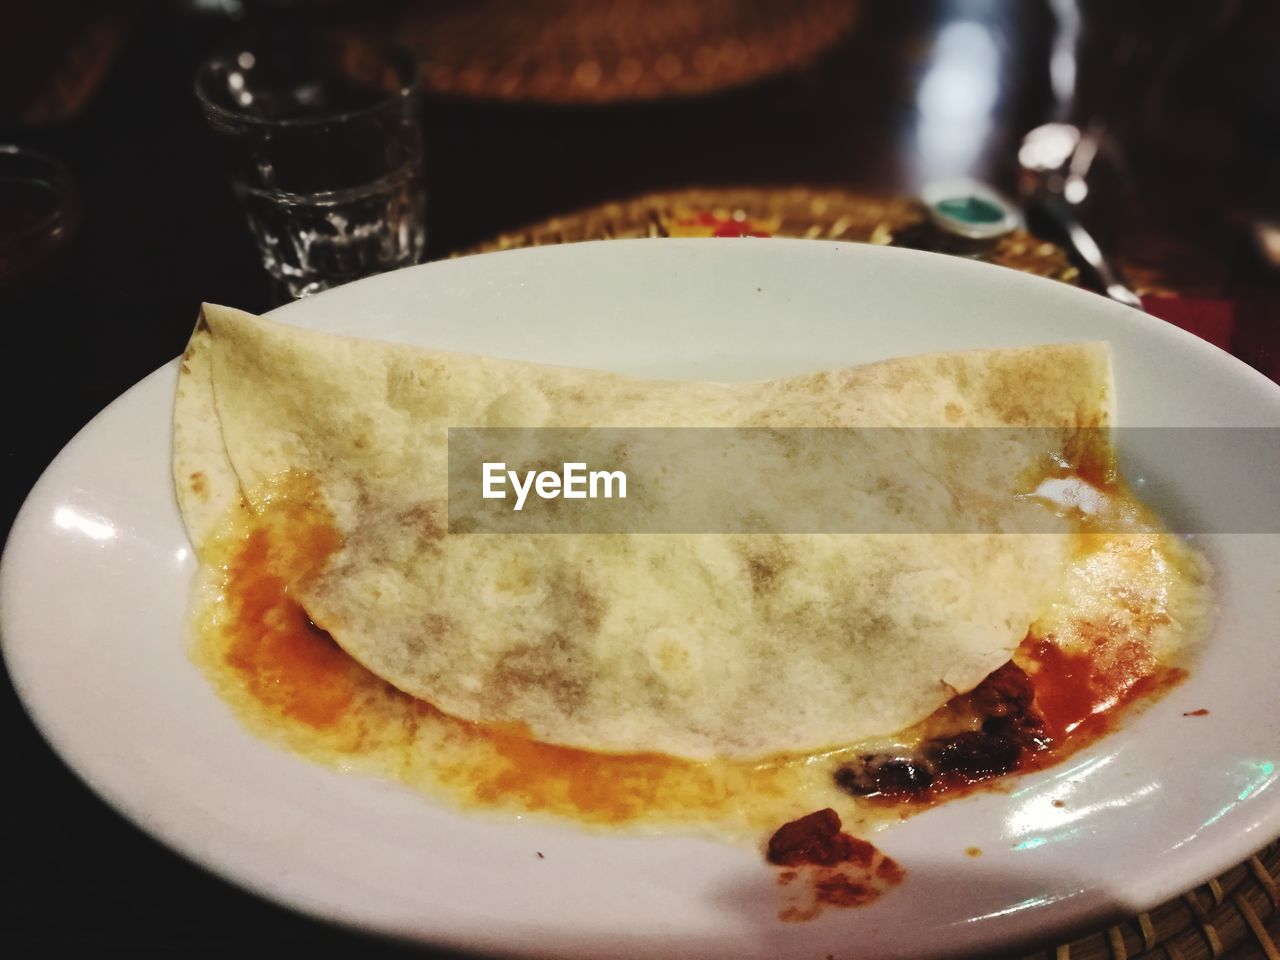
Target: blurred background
533	110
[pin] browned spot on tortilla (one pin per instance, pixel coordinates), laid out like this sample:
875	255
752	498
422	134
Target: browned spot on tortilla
590	607
952	411
463	525
434	627
425	520
1016	413
198	486
546	668
764	567
892	493
762	571
955	370
1036	391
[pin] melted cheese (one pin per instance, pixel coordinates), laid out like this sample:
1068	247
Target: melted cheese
1127	611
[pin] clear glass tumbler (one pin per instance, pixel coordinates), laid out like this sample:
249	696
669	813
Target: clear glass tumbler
39	216
321	138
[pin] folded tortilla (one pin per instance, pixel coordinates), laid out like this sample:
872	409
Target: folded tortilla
695	645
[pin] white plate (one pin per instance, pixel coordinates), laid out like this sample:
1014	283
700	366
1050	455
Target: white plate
96	573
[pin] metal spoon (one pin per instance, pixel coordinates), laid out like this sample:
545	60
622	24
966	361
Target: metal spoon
1055	160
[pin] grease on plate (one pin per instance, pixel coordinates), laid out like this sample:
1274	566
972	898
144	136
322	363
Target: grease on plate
289	681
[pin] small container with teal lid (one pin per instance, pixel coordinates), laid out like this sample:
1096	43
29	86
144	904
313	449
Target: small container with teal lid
967	215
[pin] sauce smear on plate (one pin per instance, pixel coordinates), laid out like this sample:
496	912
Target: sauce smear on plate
290	681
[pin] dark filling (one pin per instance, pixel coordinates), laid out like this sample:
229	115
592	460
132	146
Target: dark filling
1010	729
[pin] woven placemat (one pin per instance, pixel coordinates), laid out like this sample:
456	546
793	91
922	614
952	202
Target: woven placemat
787	212
1236	915
59	56
606	51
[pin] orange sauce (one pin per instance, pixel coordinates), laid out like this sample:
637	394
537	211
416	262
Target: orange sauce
610	788
293	670
286	661
278	666
1078	695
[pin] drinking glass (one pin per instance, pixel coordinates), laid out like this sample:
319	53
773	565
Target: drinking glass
39	215
321	137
